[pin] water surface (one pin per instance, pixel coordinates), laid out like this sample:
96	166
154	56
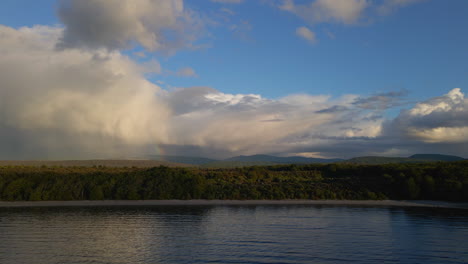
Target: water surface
233	234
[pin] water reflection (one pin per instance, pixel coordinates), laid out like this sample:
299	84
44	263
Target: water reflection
422	234
132	235
232	234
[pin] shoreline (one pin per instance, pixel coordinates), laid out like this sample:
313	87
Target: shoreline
365	203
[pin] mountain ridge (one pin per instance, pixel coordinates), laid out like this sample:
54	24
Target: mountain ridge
232	162
436	157
270	160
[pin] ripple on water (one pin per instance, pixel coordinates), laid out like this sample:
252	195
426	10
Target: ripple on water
233	234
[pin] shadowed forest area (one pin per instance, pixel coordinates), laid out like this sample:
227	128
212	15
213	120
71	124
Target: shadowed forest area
429	181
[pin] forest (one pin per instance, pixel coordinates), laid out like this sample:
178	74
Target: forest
446	181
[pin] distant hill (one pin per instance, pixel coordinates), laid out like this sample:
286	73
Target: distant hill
265	160
381	160
436	157
281	160
241	161
237	164
91	163
234	162
182	159
412	159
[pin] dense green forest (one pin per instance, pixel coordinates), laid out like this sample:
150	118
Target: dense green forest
430	181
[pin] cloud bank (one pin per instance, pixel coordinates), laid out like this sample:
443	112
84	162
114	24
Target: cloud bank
67	92
75	92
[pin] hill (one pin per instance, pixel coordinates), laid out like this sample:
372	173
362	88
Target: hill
371	160
268	160
237	164
182	159
241	161
417	158
436	157
234	162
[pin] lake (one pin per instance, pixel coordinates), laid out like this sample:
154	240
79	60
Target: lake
233	234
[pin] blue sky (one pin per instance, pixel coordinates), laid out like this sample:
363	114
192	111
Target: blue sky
419	48
398	52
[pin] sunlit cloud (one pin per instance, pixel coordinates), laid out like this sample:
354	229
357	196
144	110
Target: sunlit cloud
74	91
437	120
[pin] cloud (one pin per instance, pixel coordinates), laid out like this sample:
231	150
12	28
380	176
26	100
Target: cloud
151	66
75	95
334	11
101	101
186	72
157	25
259	125
438	120
306	34
381	101
97	103
347	12
305	123
333	109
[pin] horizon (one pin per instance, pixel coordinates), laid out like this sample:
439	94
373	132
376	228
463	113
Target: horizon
94	79
153	157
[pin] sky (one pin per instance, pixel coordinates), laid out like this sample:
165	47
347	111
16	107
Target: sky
82	79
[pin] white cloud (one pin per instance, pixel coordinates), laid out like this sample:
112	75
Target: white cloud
75	92
437	120
101	99
447	103
440	134
306	34
98	103
249	123
336	11
154	24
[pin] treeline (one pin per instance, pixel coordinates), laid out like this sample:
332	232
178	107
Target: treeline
429	181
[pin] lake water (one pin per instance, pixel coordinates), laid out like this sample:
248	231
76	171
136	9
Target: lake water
233	234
